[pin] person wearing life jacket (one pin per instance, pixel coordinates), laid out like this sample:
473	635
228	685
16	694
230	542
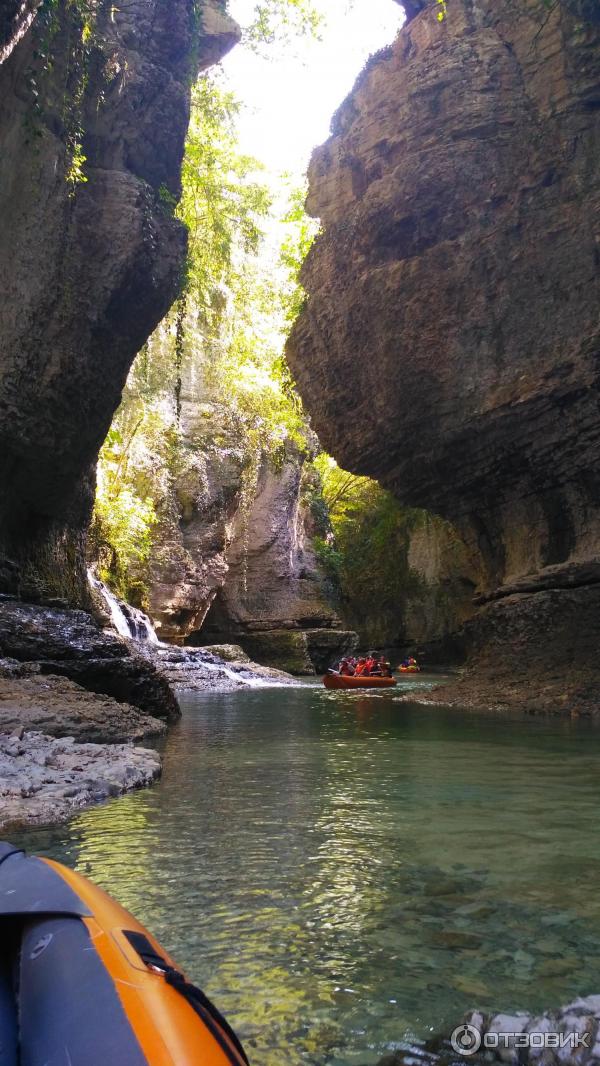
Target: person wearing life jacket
361	668
375	669
346	668
370	664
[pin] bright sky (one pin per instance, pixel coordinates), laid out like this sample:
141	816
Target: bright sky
291	99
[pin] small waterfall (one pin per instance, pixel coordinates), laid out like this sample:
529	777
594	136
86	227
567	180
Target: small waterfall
128	621
239	678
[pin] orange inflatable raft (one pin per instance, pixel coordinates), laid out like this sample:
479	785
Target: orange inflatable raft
82	982
339	681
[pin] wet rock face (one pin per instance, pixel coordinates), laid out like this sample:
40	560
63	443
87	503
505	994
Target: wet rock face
71	644
189	560
236	564
87	269
456	285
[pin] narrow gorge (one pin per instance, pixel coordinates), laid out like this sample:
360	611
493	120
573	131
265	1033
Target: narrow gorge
253	428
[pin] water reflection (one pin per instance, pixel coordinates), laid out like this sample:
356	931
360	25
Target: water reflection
346	873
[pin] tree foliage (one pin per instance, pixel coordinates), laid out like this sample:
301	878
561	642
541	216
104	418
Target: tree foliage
223	341
277	20
363	546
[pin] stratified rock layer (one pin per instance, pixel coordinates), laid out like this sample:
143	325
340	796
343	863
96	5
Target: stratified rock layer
58	707
71	644
94	107
456	288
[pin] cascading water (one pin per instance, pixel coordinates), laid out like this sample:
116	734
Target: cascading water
128	621
180	666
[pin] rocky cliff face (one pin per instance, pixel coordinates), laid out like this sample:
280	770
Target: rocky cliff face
456	284
232	553
272	599
94	103
439	598
235	564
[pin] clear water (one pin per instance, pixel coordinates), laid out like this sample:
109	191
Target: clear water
344	873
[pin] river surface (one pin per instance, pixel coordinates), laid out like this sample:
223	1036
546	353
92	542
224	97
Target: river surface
345	874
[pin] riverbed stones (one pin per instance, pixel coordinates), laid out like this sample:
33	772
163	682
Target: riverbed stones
44	780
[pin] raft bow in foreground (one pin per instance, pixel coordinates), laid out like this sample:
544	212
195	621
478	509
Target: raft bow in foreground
83	983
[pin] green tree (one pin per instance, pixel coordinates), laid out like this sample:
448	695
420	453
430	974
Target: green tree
363	547
226	332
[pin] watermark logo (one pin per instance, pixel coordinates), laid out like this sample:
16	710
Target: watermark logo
467	1040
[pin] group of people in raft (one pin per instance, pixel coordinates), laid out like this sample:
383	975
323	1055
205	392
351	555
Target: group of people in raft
371	665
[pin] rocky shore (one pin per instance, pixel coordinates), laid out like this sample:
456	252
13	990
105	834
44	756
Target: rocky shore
71	644
511	697
58	707
533	652
75	698
45	780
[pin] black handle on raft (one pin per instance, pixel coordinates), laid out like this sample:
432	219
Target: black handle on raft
198	1001
6	850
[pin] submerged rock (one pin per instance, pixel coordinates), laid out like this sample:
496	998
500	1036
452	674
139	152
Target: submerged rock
577	1026
44	780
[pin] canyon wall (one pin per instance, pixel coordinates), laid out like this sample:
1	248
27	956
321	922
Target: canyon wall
231	557
94	108
273	600
456	284
233	562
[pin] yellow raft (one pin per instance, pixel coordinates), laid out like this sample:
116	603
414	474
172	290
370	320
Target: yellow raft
82	982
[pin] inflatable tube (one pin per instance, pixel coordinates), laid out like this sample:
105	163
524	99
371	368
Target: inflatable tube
409	669
89	984
338	681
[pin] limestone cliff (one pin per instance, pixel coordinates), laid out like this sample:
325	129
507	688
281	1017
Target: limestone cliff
439	598
231	554
456	284
234	563
272	600
94	103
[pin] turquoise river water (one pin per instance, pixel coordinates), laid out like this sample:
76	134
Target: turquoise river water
345	874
